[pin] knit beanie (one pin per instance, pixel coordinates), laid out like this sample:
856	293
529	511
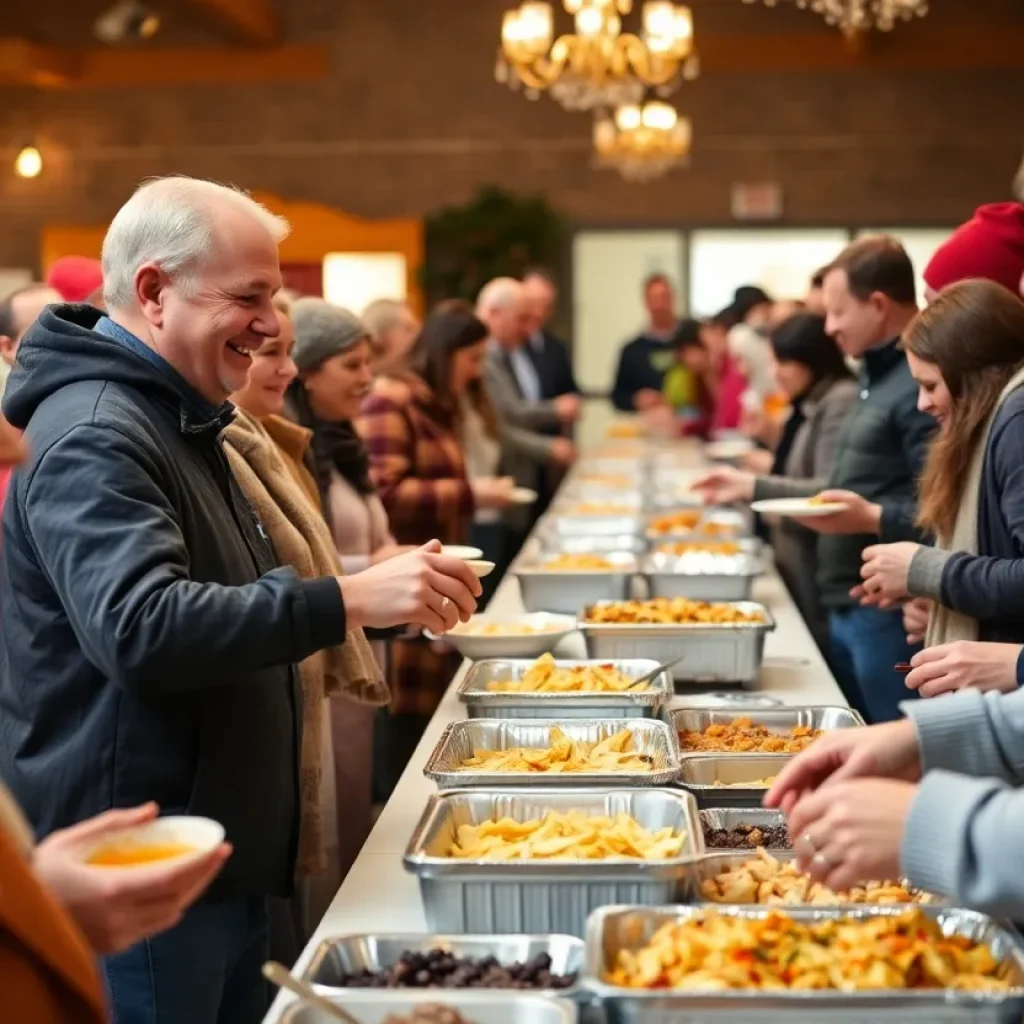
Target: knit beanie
990	246
322	331
77	278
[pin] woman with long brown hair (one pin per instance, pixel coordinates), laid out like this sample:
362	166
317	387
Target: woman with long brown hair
966	351
411	423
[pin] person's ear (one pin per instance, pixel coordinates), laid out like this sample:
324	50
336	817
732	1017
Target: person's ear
150	293
8	349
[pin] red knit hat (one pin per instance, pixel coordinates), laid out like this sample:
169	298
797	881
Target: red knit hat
990	245
77	278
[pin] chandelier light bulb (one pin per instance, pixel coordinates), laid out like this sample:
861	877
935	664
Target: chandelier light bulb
589	22
659	116
28	163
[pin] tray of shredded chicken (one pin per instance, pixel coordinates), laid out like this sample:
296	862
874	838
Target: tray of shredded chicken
565	582
862	963
756	731
546	752
702	570
515	861
550	688
730	780
720	642
772	878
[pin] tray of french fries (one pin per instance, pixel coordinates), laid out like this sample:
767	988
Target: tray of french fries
709	570
516	860
550	688
852	964
546	752
730	780
723	642
773	878
786	730
564	582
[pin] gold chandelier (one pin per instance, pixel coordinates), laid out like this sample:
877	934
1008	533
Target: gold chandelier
599	64
642	142
854	16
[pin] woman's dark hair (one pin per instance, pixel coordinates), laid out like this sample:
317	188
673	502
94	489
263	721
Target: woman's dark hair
687	333
801	338
451	326
974	333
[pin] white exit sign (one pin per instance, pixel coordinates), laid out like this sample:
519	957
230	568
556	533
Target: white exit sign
758	200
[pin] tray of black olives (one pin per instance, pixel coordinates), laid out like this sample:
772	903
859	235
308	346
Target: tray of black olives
529	963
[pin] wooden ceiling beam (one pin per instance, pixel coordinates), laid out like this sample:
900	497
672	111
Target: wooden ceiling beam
26	63
23	63
249	21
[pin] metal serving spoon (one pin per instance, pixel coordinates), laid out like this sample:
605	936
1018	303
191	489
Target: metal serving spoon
279	975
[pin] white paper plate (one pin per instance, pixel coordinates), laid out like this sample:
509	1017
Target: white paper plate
733	449
522	496
801	507
533	645
463	551
201	834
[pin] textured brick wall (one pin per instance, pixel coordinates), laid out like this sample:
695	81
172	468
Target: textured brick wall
412	119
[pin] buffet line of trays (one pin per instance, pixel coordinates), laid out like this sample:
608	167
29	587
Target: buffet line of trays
592	855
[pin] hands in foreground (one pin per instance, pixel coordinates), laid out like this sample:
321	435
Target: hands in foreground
950	667
115	909
422	587
886	751
724	485
852	831
859	516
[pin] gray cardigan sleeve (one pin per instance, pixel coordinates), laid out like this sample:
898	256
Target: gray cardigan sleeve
518	441
976	734
828	427
961	841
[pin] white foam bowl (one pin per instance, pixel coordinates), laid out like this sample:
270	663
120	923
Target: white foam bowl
463	551
201	834
555	628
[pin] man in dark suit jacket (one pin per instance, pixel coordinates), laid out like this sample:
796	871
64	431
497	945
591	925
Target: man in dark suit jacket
548	353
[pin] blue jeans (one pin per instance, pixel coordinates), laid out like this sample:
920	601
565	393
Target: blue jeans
866	645
206	970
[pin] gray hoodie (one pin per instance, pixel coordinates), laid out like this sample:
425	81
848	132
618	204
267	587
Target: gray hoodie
966	824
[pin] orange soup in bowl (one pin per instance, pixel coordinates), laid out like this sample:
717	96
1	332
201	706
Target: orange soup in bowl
130	854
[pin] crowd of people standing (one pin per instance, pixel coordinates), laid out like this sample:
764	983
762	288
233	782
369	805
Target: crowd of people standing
224	541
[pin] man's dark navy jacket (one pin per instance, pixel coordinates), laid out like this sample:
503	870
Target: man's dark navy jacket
147	643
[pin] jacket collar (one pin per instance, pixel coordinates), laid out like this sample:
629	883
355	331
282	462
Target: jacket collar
198	417
879	361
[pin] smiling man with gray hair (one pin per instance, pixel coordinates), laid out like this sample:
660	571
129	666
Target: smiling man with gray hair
149	637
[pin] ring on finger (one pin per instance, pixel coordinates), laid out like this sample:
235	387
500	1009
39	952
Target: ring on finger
808	840
820	860
444	603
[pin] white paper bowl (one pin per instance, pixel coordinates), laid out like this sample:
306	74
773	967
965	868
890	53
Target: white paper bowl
533	645
480	567
463	551
201	834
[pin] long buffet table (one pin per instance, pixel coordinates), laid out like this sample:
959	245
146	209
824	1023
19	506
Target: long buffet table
378	895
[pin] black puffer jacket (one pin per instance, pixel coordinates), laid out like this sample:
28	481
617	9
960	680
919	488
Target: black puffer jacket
147	642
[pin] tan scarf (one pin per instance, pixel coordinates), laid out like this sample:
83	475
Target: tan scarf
944	624
301	539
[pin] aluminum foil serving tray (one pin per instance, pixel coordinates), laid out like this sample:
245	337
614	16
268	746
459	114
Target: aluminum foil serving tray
613	928
824	718
347	954
495	897
715	653
484	703
650	736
